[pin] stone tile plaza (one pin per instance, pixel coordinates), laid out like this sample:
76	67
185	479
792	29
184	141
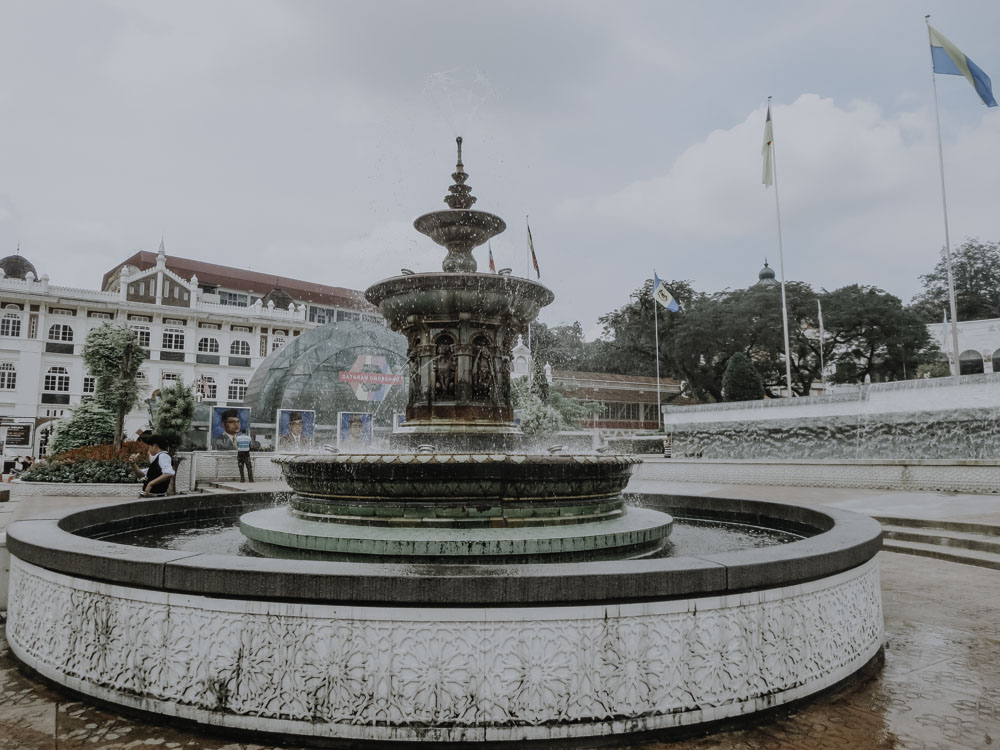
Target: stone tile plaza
244	510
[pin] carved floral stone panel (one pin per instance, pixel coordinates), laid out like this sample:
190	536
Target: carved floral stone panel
341	671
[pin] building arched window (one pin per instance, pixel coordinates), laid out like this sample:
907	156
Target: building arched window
237	389
56	380
60	332
208	345
240	348
971	362
277	342
10	324
8	376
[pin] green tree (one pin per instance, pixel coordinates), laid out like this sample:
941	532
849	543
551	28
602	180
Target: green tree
741	381
540	417
562	346
976	267
748	321
174	412
113	356
539	383
629	346
89	424
870	333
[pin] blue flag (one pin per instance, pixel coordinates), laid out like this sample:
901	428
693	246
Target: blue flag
663	296
951	61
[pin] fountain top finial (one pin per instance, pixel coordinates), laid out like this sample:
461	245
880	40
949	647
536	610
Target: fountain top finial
460	194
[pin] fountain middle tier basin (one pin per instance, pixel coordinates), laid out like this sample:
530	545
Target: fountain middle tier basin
465	477
459	507
443	296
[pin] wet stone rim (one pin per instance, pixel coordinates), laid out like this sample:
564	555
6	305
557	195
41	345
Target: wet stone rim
454	458
845	541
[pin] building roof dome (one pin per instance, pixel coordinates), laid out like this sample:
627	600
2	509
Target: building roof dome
17	267
279	296
766	276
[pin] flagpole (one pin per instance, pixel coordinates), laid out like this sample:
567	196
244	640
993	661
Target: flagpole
656	335
781	260
955	365
527	269
822	366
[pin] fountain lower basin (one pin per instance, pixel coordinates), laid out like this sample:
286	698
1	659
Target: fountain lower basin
335	651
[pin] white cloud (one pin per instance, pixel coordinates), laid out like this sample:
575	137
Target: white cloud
860	197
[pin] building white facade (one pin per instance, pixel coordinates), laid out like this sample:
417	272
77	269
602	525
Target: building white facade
978	344
203	338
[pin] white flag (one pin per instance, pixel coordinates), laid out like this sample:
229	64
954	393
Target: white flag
768	178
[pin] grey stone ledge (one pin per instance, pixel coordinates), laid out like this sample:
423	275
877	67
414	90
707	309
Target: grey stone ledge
845	540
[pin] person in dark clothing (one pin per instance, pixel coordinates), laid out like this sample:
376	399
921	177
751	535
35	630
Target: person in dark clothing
155	477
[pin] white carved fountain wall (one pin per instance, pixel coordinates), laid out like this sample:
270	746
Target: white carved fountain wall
442	674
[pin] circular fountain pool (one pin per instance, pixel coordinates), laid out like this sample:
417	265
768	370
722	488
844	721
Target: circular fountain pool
333	651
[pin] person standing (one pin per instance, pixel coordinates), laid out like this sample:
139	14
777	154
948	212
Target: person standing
243	443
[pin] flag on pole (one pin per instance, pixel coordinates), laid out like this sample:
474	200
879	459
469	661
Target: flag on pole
493	266
664	297
531	246
768	178
949	60
819	309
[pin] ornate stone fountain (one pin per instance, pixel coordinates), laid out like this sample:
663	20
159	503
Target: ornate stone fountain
461	483
427	617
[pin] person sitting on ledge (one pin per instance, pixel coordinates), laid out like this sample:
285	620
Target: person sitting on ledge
156	477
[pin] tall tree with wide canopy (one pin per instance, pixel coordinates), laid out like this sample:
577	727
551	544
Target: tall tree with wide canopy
871	333
976	267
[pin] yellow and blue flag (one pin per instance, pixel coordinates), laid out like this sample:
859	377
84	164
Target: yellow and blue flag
663	296
949	60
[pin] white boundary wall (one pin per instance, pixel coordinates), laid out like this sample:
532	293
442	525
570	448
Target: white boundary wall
970	476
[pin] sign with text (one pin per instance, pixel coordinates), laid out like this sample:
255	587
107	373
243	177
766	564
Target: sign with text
370	377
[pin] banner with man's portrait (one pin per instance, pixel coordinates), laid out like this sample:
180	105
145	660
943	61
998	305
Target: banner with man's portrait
354	432
295	429
227	423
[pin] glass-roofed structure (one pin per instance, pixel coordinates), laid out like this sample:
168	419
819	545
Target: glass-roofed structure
342	367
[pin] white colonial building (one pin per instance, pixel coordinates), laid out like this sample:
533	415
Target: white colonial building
201	324
978	344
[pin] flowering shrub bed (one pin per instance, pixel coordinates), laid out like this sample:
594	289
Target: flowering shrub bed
86	471
91	464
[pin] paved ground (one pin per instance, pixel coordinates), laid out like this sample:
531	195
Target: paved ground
938	690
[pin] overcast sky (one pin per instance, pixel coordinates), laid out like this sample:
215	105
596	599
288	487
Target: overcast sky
303	137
